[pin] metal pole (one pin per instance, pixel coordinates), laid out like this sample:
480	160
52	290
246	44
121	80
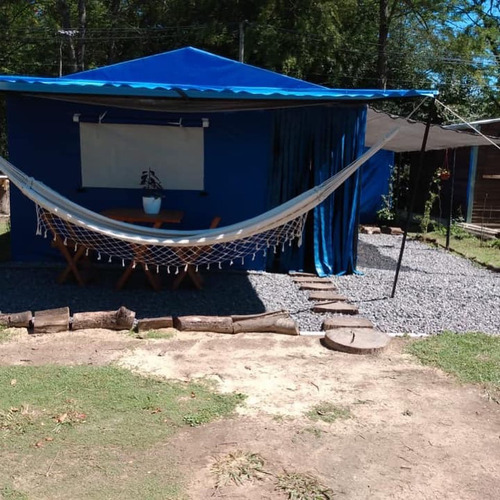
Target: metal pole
430	117
452	189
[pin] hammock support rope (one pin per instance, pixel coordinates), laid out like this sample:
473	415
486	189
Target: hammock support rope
79	226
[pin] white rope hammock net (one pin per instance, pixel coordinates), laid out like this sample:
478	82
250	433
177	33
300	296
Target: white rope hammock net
112	239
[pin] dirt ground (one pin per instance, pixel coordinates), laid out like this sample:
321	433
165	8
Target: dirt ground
414	432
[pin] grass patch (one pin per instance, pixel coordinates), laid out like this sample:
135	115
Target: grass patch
329	412
7	333
486	253
156	334
4	240
9	493
302	487
237	468
66	430
471	357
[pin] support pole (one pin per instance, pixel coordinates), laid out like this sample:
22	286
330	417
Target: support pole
430	117
452	192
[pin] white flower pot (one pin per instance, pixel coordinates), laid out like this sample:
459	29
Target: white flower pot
151	205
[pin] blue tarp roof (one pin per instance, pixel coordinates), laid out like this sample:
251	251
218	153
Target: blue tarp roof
193	74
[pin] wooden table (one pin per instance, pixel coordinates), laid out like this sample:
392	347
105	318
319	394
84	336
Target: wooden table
137	216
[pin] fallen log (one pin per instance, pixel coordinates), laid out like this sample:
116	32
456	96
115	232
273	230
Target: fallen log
283	313
122	319
51	320
16	320
217	324
143	325
278	322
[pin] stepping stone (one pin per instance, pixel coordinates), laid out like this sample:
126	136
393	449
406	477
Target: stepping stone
356	340
346	322
326	295
300	273
310	279
318	286
335	307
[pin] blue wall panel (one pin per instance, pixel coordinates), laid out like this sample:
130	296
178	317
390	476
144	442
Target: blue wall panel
44	142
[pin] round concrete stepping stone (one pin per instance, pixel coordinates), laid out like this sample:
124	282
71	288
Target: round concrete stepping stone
335	307
346	322
356	340
318	286
328	295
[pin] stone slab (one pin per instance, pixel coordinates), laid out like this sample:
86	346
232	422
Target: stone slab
328	295
310	279
300	273
335	307
346	322
318	286
356	340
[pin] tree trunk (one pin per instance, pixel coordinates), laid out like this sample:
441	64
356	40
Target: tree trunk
67	33
4	197
82	15
383	34
114	11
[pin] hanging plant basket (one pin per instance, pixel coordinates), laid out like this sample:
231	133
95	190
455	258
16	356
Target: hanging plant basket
445	175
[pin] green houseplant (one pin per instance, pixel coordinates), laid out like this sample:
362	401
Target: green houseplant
152	191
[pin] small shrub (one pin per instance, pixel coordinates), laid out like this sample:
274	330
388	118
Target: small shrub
237	468
302	487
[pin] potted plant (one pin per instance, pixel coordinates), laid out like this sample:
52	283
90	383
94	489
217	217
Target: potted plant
152	191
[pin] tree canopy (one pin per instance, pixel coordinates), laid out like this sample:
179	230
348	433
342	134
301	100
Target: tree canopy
450	45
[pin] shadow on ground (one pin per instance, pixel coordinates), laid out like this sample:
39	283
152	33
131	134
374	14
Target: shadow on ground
35	288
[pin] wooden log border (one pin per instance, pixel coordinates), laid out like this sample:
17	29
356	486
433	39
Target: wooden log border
59	320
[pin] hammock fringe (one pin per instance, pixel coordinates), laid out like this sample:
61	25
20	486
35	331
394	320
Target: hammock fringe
78	226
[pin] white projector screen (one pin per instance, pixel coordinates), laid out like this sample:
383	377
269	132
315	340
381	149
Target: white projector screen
114	155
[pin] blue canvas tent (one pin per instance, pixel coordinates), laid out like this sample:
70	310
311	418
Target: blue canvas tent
235	140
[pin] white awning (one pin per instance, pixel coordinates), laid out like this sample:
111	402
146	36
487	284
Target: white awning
411	133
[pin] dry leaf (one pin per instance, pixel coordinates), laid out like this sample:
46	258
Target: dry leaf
62	418
13	382
39	444
49	438
157	410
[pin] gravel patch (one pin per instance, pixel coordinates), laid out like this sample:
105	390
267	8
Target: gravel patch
436	291
33	287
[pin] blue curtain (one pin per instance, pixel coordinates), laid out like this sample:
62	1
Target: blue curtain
310	145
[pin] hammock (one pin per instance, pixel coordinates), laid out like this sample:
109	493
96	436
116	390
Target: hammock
79	226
